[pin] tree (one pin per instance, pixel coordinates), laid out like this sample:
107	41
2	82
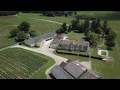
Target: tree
32	33
64	26
80	27
112	35
78	17
110	40
24	26
21	36
93	25
63	29
14	32
110	44
75	12
69	28
86	31
50	13
105	27
99	31
75	24
92	38
87	24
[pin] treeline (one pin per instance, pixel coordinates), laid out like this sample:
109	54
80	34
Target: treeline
6	13
31	11
53	13
59	13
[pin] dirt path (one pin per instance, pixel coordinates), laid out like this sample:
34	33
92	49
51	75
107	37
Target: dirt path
8	47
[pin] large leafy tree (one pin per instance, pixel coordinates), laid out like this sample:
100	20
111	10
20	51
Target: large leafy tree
24	26
14	32
92	38
95	25
87	24
110	40
75	24
63	29
106	28
21	36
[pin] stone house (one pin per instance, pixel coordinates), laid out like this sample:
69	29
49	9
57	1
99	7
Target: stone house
73	45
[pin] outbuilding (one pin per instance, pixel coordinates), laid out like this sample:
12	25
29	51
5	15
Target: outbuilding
37	40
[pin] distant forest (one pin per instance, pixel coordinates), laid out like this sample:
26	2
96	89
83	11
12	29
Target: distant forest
53	13
6	13
46	13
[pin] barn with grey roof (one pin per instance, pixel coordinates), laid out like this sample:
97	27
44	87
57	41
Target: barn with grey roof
73	70
33	41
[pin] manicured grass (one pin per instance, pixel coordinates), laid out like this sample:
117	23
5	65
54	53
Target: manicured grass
40	16
75	36
108	69
19	63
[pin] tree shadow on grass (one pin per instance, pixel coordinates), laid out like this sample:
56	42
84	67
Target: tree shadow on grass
108	48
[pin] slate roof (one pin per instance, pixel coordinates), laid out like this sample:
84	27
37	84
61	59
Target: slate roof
58	38
75	69
35	39
75	42
60	73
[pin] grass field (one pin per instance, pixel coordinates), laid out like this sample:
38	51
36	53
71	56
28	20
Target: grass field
7	23
75	36
5	41
19	63
108	70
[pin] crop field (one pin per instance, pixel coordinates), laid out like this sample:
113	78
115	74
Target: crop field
19	63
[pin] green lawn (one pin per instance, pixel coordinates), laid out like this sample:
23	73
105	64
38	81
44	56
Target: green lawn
19	63
75	36
106	69
104	15
5	41
7	23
